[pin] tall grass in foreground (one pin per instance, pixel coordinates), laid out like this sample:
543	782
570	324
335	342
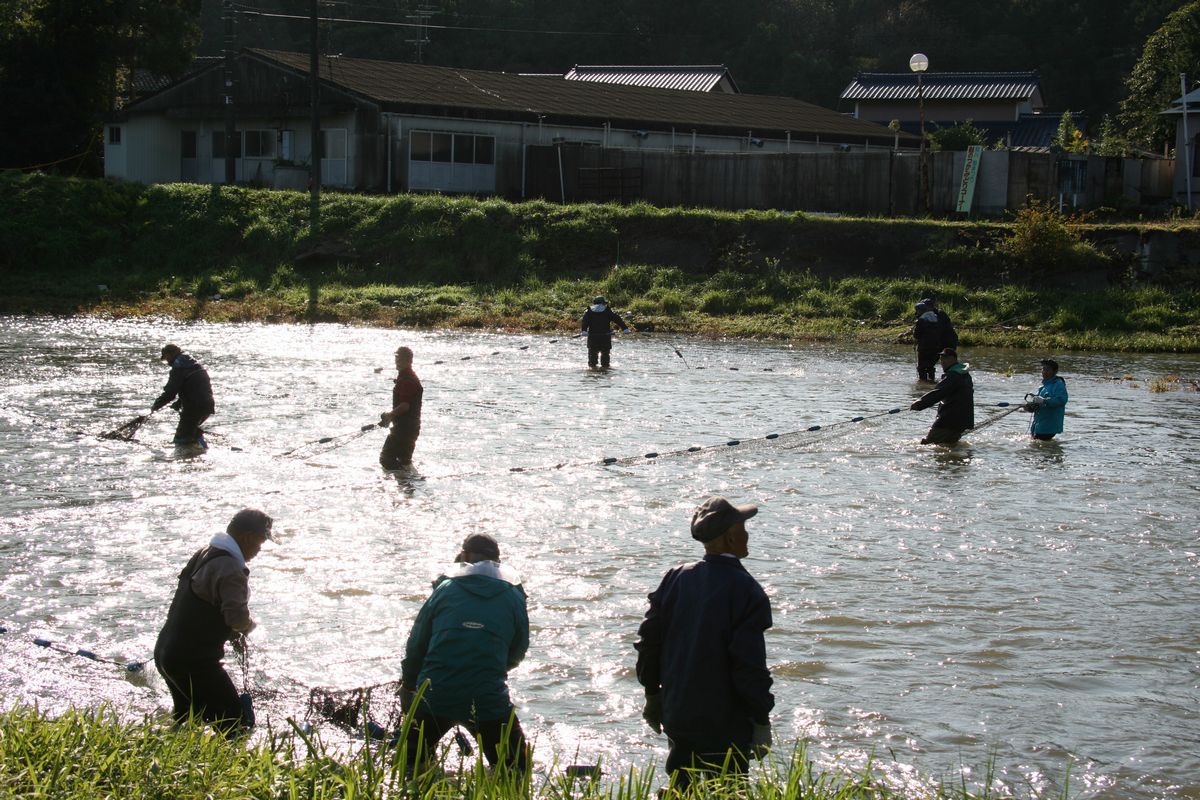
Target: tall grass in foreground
92	754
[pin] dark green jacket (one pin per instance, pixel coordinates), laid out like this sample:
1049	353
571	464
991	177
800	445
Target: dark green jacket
471	631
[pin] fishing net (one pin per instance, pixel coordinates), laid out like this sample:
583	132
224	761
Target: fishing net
375	709
992	420
126	432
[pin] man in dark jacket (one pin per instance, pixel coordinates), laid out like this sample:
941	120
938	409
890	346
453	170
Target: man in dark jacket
595	324
471	631
188	385
949	335
928	334
956	394
702	656
210	607
404	416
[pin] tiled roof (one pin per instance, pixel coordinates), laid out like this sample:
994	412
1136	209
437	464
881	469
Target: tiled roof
419	88
691	78
944	86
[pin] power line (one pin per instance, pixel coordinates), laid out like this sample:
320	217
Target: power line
347	21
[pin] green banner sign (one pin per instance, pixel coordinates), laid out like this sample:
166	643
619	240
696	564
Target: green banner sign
966	190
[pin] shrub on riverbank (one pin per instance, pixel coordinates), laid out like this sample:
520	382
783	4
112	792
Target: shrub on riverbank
229	253
90	753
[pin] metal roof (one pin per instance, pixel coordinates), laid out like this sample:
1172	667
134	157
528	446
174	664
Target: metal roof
889	86
446	91
690	78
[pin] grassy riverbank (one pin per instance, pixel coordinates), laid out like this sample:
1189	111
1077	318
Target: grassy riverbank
199	252
87	754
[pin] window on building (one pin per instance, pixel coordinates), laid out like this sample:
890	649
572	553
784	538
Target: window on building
187	144
440	146
287	145
419	148
333	143
485	150
218	144
114	135
459	148
260	144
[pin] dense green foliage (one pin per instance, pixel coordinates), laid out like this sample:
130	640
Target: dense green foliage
62	64
1154	82
231	253
88	754
958	137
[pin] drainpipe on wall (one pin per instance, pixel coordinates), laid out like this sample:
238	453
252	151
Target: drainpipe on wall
789	141
1187	143
524	148
387	143
693	141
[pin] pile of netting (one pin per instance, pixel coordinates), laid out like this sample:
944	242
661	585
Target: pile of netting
126	432
372	710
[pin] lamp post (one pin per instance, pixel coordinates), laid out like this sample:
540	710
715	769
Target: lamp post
918	64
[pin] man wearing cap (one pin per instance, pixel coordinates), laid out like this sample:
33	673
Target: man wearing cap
189	383
471	631
404	415
955	394
702	656
928	335
595	324
210	608
1049	404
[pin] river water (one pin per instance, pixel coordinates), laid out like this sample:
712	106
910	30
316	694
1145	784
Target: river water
1031	603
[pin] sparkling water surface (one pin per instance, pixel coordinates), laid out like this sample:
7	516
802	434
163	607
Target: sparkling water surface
1031	603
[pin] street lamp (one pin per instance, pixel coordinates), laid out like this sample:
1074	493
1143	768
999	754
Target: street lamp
918	64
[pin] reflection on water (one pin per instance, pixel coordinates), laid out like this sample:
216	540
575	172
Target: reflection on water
1031	600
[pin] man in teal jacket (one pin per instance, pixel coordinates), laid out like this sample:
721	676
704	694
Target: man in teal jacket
471	631
1049	404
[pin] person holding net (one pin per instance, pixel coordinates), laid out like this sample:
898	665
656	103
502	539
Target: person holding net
471	631
189	386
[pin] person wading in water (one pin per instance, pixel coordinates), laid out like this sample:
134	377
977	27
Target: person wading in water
404	416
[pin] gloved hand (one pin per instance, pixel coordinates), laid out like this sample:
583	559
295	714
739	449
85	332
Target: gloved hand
1037	400
913	407
408	696
652	712
760	741
1029	407
177	405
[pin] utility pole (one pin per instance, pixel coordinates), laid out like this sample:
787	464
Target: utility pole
420	17
228	19
314	165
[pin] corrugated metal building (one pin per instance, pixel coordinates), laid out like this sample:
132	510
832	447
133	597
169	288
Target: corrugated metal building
1008	105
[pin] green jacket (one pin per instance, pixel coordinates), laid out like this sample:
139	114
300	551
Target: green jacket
471	631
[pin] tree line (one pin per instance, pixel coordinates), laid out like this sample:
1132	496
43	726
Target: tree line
64	63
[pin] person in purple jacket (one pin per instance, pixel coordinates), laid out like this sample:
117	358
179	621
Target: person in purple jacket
702	656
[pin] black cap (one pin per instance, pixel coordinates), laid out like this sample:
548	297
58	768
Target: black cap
251	520
1049	362
599	300
169	352
949	351
482	545
717	515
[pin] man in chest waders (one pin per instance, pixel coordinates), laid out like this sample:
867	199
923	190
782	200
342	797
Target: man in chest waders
595	325
404	416
189	386
211	607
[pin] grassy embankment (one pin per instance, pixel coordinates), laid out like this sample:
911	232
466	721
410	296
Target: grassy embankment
74	246
89	754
